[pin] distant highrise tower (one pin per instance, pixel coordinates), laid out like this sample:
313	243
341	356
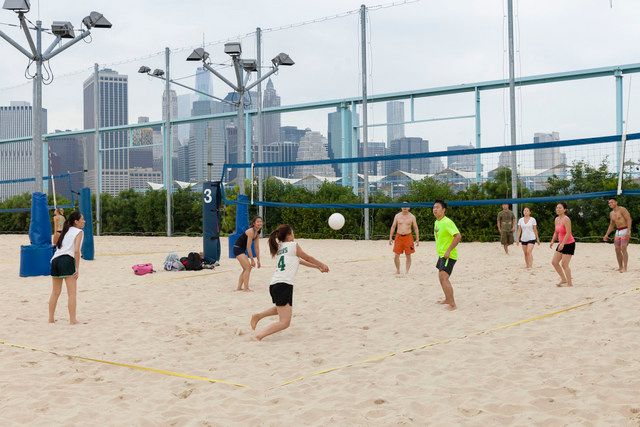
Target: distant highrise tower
16	158
465	162
142	157
409	145
114	111
203	83
174	114
313	146
395	114
292	133
271	122
334	137
547	158
374	149
66	156
184	110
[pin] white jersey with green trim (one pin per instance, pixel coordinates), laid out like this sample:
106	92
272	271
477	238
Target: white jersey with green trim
287	263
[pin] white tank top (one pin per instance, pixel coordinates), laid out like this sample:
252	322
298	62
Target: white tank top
68	246
287	263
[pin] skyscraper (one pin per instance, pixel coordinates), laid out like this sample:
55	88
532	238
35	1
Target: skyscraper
271	122
313	146
203	83
174	114
66	156
547	158
114	111
206	142
16	158
374	149
466	162
395	114
409	145
184	110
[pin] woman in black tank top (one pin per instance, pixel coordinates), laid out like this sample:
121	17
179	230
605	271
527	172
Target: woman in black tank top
244	253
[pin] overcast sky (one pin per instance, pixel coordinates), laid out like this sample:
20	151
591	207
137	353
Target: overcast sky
425	44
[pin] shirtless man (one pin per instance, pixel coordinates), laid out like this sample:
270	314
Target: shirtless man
619	219
404	220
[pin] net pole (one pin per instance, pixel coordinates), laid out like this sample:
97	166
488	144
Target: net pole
365	142
96	149
623	148
259	124
512	111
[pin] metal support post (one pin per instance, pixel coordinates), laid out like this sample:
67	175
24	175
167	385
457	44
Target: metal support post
365	141
240	140
97	157
248	155
259	127
167	148
512	110
478	139
36	115
619	114
354	147
346	137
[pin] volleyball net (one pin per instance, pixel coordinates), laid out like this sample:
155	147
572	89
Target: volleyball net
475	181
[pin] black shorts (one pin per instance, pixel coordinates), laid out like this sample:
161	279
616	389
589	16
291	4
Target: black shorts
281	294
237	250
63	266
568	249
445	265
528	242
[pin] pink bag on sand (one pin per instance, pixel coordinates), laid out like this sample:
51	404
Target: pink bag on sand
142	269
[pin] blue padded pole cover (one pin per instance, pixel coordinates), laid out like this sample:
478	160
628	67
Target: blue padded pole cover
211	219
242	221
85	208
40	226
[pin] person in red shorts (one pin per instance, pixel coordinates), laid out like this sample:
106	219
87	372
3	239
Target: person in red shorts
404	243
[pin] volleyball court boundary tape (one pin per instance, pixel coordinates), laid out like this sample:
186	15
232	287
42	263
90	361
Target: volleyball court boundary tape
376	358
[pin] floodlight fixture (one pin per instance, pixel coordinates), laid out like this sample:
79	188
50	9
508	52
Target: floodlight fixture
18	6
63	29
198	54
96	20
144	70
157	72
249	65
282	59
233	48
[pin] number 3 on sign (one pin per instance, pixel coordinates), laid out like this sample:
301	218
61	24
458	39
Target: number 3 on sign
207	195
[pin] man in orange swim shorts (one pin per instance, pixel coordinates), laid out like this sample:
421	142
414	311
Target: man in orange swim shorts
403	222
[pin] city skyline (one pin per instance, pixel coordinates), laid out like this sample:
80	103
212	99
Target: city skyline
578	111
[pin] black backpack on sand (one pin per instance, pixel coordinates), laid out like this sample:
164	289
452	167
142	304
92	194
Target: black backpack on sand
194	261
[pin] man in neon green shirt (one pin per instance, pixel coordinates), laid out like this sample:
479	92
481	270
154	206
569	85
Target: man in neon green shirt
447	238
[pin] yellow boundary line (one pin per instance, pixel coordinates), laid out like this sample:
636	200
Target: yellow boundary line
371	359
384	356
127	365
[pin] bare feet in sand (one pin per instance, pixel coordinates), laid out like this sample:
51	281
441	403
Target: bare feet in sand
254	321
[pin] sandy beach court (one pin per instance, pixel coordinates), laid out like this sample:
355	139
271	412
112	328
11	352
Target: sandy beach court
400	358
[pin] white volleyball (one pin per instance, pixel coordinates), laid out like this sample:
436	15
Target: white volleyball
336	221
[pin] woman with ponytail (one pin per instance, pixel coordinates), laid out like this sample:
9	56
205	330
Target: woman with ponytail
65	264
243	251
289	256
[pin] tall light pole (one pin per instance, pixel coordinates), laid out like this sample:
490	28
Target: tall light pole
243	69
512	109
62	30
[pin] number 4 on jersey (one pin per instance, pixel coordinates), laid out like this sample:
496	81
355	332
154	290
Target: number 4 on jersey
281	263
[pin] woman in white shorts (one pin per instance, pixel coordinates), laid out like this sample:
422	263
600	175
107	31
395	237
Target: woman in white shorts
528	236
